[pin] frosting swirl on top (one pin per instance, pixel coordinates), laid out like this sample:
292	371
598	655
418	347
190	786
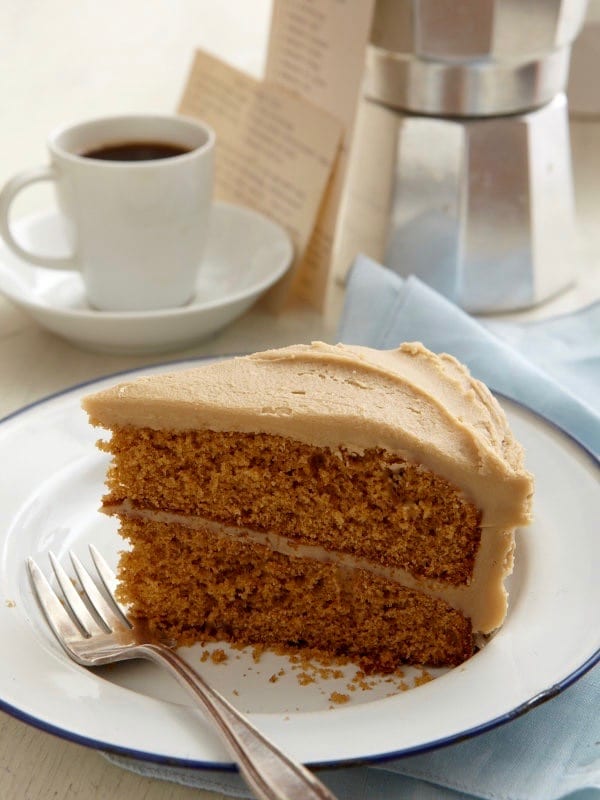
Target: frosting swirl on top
424	407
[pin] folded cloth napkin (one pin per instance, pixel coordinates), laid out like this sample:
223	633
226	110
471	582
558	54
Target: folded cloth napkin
553	367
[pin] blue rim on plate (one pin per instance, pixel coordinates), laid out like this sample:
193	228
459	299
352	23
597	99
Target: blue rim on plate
540	697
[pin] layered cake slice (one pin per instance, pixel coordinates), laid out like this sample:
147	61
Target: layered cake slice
356	502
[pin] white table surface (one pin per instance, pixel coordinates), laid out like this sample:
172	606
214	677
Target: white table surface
62	61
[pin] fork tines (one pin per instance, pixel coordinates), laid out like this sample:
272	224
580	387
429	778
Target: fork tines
72	616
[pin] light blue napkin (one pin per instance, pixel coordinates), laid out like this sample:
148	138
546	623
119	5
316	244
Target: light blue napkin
554	368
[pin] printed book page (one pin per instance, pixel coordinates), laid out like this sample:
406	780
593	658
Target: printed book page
275	150
317	50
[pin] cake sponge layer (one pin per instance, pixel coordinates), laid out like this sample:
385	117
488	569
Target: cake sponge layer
192	585
372	505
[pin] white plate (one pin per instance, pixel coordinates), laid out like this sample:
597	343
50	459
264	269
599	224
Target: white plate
246	253
52	483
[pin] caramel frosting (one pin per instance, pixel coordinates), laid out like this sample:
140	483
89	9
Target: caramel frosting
426	408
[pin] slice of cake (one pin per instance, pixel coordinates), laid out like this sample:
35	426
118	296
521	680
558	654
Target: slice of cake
356	502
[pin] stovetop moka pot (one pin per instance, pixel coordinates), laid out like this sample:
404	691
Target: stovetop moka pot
482	205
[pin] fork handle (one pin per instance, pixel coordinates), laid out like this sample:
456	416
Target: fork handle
271	774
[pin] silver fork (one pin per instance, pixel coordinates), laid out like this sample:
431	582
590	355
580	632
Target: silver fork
107	635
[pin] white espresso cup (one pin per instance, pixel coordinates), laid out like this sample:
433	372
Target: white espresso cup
135	192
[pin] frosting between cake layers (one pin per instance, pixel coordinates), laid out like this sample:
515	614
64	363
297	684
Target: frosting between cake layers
483	600
423	407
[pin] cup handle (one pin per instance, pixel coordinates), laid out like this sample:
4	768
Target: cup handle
7	195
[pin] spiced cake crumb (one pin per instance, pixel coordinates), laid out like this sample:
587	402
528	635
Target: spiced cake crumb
338	698
218	656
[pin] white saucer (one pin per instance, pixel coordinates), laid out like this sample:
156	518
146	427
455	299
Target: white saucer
246	253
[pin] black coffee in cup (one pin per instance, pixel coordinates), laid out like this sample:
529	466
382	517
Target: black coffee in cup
135	151
136	191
